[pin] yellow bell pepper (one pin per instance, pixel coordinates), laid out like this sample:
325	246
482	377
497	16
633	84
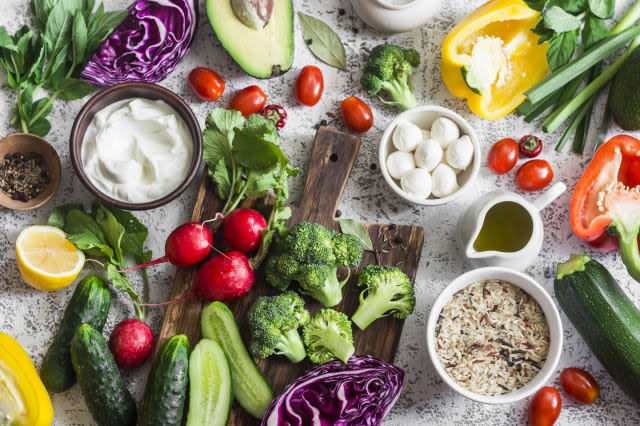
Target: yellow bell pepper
497	42
23	398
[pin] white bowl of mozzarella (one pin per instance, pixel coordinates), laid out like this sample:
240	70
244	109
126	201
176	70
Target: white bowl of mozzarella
429	155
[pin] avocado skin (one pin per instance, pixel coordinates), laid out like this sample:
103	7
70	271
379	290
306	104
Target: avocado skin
624	100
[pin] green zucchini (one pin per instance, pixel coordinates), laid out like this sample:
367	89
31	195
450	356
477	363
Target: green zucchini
209	385
605	317
166	388
89	304
248	385
108	399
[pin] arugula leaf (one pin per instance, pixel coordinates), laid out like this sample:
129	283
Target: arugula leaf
561	48
58	215
79	38
594	30
113	231
357	229
558	20
602	8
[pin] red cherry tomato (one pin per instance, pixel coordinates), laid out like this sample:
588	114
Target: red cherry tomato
206	84
534	175
544	407
579	385
503	156
309	85
249	100
356	114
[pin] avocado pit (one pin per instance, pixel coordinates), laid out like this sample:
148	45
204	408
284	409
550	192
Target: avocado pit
253	13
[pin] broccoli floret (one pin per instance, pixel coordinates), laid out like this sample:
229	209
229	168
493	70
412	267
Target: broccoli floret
328	336
310	255
274	323
388	291
389	69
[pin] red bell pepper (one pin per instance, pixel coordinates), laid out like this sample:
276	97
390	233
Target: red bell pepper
605	207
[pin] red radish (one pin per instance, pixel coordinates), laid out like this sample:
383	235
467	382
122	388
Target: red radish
226	276
243	229
187	245
131	343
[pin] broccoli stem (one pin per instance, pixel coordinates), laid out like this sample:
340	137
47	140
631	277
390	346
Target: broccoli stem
330	294
374	306
337	344
291	346
400	93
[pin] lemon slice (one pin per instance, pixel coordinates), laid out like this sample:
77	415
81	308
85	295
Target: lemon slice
46	259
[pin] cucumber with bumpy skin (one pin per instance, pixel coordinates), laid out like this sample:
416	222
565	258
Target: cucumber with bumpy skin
210	385
89	304
249	386
166	388
108	399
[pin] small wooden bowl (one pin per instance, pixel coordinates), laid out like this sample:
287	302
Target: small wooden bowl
23	143
119	92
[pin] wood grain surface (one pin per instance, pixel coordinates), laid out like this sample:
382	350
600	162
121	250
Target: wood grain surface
332	159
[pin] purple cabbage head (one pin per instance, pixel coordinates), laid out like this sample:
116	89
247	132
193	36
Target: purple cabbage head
360	392
147	45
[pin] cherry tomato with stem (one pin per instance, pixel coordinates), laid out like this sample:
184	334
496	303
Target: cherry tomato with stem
356	114
579	385
309	85
534	175
503	156
206	84
544	407
249	100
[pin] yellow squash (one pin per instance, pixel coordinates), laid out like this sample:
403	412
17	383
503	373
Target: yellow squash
496	40
23	398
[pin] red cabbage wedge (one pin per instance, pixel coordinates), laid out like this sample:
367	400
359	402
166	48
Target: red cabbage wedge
147	45
361	392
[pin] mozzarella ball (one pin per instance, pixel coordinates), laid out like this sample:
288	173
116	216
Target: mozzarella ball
444	161
460	153
416	182
428	155
444	131
406	136
399	163
426	134
443	181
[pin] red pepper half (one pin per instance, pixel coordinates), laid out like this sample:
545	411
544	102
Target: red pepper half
605	207
530	146
275	113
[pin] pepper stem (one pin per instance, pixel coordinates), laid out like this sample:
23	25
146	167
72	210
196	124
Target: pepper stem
628	236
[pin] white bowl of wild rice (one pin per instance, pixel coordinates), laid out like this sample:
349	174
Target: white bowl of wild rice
494	335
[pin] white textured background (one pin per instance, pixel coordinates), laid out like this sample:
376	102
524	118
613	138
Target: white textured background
32	316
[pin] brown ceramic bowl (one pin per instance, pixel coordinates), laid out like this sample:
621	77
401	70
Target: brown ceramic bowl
125	91
23	142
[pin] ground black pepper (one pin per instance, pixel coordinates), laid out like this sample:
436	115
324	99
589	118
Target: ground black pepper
23	175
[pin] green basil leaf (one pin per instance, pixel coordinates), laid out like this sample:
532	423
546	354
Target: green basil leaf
602	8
88	9
594	30
112	230
135	232
11	80
79	38
561	49
58	215
225	120
560	21
357	229
6	41
58	30
73	88
40	127
58	69
536	4
101	25
323	42
40	53
222	180
42	103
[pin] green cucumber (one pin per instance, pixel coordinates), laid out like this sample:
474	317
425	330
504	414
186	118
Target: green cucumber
605	317
210	385
166	388
89	304
108	399
249	386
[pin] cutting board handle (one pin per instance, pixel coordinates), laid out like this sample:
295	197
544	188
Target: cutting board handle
332	159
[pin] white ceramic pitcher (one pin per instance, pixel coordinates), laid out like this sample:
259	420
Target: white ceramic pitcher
396	16
471	222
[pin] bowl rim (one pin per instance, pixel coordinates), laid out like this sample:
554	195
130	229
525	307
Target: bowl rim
164	94
549	308
385	140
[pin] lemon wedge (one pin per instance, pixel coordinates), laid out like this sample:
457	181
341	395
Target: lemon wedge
46	259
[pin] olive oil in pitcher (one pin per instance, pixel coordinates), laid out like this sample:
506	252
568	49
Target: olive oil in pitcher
507	228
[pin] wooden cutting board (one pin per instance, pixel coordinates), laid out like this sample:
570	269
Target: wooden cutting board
332	159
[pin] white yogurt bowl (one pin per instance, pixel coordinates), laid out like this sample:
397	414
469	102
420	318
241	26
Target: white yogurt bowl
423	117
536	291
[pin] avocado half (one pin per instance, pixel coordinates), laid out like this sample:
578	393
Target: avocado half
263	53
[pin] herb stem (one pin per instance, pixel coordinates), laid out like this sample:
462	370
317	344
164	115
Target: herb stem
44	108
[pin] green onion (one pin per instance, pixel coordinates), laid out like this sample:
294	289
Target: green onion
565	74
574	124
604	127
541	107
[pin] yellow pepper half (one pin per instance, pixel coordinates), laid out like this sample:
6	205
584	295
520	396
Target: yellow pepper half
492	57
23	398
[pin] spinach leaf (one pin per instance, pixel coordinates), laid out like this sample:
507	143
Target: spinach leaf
135	233
122	283
78	222
90	244
561	48
113	231
357	229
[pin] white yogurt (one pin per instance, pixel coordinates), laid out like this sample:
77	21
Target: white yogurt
137	150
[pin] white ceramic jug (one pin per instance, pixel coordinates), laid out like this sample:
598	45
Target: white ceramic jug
396	16
472	221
